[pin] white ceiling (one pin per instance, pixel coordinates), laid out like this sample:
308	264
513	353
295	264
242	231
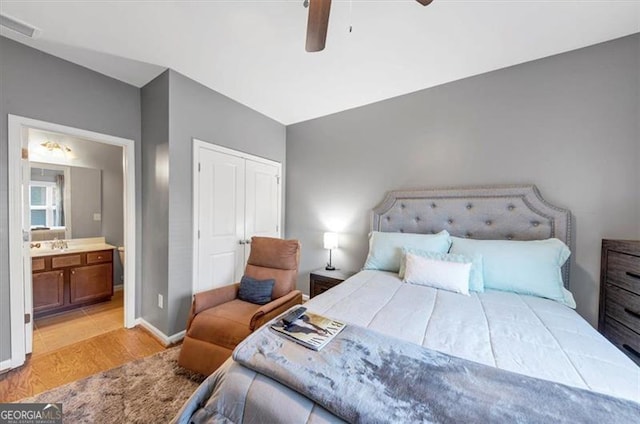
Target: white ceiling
253	51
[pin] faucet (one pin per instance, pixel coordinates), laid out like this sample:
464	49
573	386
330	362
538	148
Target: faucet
59	244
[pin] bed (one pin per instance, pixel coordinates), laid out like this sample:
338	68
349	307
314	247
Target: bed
525	334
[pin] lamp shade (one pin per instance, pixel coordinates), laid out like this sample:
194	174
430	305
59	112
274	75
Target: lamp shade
330	241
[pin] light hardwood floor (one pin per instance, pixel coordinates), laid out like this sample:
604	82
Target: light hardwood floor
57	363
54	332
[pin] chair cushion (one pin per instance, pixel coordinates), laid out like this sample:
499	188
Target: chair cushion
256	291
274	253
225	325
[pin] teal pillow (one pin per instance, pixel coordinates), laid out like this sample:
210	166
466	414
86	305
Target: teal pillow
385	249
526	267
476	283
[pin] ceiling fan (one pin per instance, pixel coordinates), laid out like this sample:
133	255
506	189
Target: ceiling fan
319	21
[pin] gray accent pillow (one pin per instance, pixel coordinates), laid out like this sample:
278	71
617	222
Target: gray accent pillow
256	291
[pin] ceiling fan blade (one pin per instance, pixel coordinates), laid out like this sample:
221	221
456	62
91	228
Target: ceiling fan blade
317	24
424	2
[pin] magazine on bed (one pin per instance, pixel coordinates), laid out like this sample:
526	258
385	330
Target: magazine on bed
310	330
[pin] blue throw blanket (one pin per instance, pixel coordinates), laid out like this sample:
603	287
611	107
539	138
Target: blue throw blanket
365	377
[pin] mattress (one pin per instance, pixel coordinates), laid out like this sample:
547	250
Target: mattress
524	334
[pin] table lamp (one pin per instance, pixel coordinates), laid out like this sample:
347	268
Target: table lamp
330	243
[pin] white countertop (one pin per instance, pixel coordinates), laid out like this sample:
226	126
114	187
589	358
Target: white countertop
92	244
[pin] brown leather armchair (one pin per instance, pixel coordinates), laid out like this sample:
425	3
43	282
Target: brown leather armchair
218	320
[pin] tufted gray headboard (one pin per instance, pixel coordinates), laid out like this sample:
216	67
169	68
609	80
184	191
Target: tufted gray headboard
500	212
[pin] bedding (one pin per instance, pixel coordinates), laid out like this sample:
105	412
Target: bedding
524	334
362	377
385	249
529	267
476	282
446	275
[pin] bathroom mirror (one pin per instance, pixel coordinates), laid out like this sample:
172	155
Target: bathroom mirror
65	202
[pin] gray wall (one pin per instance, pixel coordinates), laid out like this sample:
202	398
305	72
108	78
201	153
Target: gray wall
199	112
40	86
155	198
567	123
176	109
86	188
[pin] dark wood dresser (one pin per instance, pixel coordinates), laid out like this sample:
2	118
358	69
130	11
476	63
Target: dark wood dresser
619	318
322	280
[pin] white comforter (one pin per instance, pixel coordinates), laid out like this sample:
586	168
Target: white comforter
524	334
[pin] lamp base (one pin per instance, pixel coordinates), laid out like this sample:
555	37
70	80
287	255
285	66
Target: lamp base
330	268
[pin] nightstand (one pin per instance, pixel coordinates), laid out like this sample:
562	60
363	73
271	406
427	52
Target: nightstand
322	280
619	318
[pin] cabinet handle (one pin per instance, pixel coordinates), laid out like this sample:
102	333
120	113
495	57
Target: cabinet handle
73	272
632	313
633	275
241	242
62	274
99	257
247	242
631	350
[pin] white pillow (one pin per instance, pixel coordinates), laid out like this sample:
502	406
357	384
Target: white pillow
452	276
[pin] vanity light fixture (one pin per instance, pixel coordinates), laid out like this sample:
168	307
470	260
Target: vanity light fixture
54	145
330	243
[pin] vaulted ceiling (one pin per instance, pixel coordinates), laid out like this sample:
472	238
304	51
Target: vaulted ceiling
253	51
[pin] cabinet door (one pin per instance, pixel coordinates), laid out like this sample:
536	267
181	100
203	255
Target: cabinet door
91	282
48	290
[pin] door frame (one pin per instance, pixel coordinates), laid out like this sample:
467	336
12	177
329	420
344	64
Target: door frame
195	204
17	140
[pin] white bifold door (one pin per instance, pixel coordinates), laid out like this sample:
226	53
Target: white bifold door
236	196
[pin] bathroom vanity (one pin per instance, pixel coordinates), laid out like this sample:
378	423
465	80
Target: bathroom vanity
75	276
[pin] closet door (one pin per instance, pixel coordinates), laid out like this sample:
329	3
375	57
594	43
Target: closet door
262	200
220	219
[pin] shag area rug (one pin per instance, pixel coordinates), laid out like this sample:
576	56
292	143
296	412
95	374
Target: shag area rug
149	390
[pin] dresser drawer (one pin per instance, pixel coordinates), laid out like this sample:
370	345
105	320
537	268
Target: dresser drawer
624	270
98	257
65	261
624	307
624	339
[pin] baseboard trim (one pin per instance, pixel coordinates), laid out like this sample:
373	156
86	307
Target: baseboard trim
119	287
5	365
159	335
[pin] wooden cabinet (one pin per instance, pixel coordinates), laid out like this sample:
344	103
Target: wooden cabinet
63	282
90	283
619	318
322	280
48	290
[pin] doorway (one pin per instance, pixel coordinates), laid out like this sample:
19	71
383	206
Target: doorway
20	217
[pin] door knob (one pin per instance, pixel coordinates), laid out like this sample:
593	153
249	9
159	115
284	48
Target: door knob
248	241
242	242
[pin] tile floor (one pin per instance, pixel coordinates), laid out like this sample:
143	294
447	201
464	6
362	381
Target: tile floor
55	332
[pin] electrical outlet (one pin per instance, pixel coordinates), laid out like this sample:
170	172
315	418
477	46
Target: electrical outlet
160	301
97	217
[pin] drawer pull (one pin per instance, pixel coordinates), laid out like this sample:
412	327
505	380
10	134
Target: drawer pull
631	350
633	275
632	313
